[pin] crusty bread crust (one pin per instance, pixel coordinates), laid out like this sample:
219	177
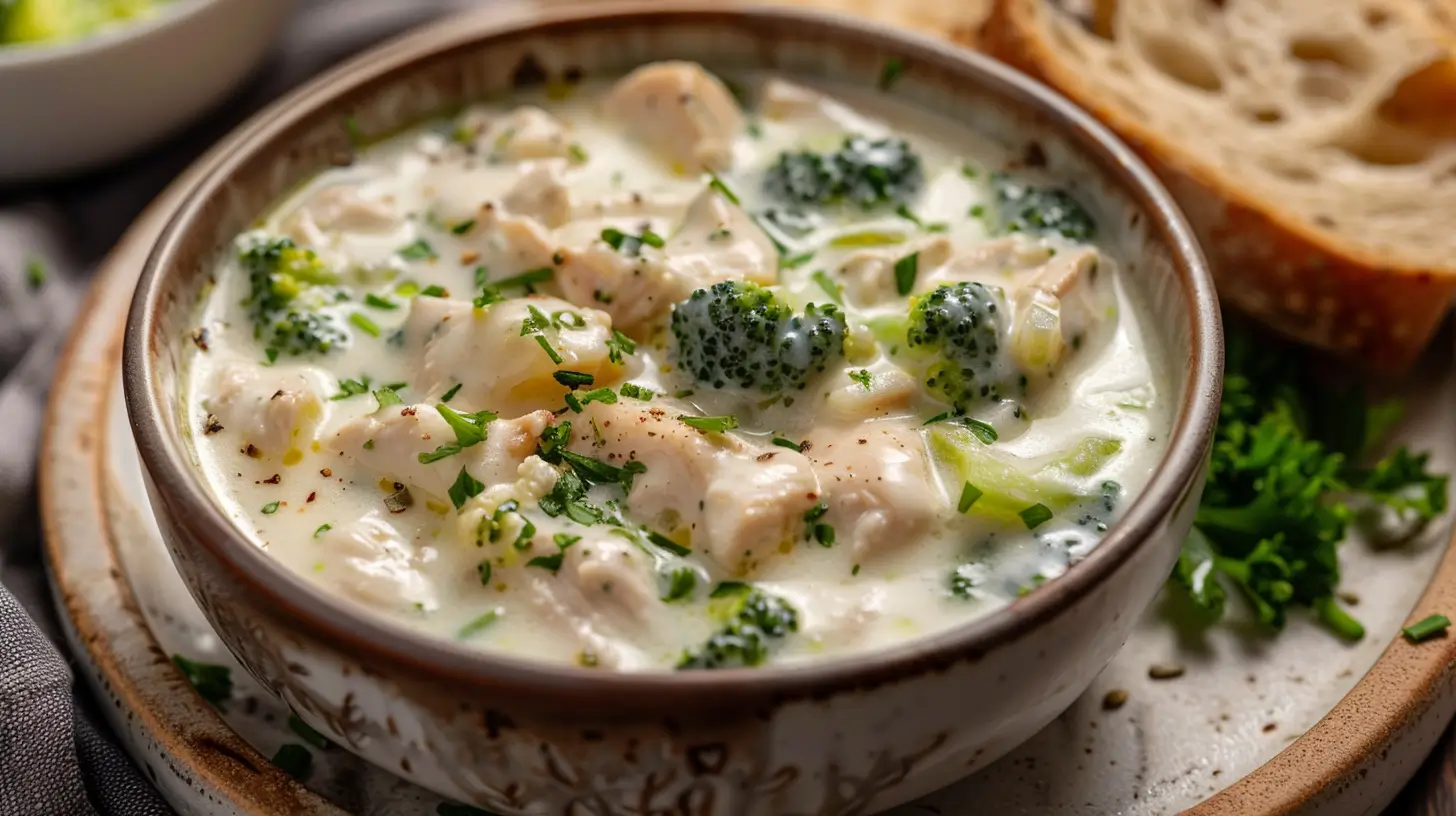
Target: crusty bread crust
1324	288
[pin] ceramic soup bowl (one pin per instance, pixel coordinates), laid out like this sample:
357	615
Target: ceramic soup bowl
850	735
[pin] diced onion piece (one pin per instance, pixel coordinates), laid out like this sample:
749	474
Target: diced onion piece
1037	343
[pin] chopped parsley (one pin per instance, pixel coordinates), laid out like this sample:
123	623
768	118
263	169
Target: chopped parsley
270	508
378	302
294	760
322	528
419	250
904	212
1034	516
969	494
454	389
35	274
862	376
824	534
631	245
891	73
712	424
906	269
796	261
464	488
660	540
529	278
469	428
619	344
546	347
788	443
573	379
636	392
479	624
463	227
307	732
722	189
366	325
553	562
831	287
352	388
387	396
212	682
1427	628
680	584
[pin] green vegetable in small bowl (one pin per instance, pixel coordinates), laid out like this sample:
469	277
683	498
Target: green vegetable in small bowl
30	21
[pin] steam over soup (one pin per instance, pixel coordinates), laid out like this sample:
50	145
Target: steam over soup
639	379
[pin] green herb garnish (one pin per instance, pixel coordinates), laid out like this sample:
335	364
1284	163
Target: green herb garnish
713	424
906	269
1427	628
419	250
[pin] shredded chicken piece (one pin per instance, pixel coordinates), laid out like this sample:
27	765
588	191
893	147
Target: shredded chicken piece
497	366
376	566
272	412
681	111
878	487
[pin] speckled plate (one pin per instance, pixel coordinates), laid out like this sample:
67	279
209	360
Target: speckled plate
1252	726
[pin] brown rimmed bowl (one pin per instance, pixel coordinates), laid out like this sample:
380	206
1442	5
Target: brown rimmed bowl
843	736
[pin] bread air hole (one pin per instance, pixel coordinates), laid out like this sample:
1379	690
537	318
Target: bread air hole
1323	87
1180	62
1266	116
1376	140
1347	54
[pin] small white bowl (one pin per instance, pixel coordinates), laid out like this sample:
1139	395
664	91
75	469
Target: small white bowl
74	105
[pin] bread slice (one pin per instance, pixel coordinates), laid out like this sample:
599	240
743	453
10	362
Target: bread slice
955	20
1311	143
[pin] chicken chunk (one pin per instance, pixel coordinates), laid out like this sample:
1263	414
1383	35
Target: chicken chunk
340	208
460	194
808	108
752	501
374	564
273	412
868	275
496	365
680	111
527	132
996	261
889	393
877	483
716	241
389	443
540	194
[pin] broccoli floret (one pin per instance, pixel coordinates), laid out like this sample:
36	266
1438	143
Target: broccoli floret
961	325
1041	210
278	272
758	619
741	334
864	172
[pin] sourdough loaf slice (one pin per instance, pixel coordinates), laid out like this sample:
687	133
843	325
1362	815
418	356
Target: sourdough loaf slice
1312	144
956	20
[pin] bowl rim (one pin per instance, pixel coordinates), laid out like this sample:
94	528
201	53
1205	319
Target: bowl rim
167	15
352	630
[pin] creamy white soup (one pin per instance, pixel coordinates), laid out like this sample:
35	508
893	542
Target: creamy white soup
640	376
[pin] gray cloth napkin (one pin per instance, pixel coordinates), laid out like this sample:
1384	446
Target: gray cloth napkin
57	755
